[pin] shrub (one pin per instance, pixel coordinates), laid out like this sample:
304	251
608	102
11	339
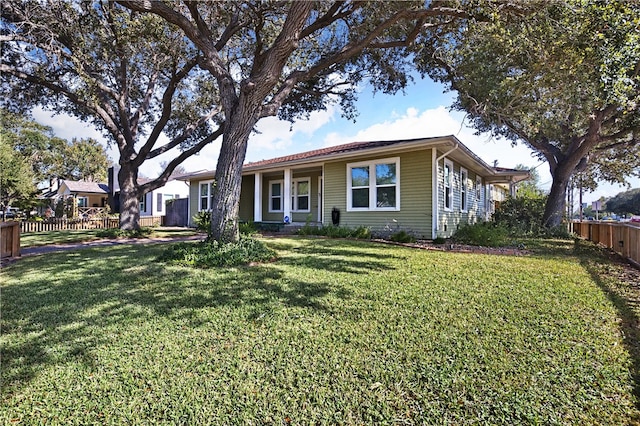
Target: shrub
309	230
439	240
402	237
143	232
482	234
332	231
246	228
521	216
211	253
202	220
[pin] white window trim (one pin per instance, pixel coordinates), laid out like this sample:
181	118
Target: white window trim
281	182
210	186
142	203
80	198
294	194
447	163
372	185
464	190
478	188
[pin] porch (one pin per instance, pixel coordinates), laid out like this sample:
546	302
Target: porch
283	200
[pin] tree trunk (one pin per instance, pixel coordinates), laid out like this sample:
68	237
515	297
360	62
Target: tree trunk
225	203
129	203
556	201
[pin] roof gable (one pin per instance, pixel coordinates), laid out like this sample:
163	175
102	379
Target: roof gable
89	187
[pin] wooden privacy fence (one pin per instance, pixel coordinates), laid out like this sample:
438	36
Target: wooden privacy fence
94	223
9	239
623	238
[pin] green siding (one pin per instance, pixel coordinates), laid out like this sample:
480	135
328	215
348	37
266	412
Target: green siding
246	198
193	200
450	221
415	196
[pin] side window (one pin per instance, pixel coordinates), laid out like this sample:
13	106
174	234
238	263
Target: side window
464	185
448	185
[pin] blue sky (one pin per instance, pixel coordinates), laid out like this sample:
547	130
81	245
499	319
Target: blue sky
423	111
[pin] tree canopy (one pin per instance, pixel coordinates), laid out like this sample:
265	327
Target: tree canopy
624	203
32	155
272	58
131	75
561	77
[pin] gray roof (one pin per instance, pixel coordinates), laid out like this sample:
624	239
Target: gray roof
82	186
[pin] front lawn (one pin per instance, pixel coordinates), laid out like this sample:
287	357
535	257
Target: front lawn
333	332
38	239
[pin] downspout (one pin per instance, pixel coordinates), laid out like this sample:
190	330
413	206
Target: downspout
434	168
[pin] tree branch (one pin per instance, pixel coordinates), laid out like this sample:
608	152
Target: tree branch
184	136
167	108
164	176
353	48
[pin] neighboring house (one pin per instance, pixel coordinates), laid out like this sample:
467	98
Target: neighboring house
428	187
152	203
91	197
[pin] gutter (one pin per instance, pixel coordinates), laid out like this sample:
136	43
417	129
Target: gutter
448	152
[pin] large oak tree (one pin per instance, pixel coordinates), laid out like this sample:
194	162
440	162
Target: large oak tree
129	74
563	78
290	58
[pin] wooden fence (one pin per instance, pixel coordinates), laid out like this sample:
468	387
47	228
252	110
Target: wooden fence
94	223
623	238
9	239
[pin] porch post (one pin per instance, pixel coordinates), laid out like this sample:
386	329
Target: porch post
286	194
257	197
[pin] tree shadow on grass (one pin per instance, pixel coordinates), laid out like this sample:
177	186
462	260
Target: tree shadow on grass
329	255
60	307
624	296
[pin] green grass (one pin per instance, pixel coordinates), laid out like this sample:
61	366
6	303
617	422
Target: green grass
334	332
67	237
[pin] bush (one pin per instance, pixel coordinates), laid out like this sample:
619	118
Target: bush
203	221
143	232
402	237
439	240
482	234
521	216
210	253
247	228
332	231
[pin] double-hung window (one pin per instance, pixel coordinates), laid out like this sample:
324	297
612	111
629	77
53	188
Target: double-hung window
448	185
206	195
143	203
300	194
83	202
464	177
478	188
374	185
275	196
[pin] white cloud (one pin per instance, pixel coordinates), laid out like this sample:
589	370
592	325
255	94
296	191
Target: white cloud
275	137
439	122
